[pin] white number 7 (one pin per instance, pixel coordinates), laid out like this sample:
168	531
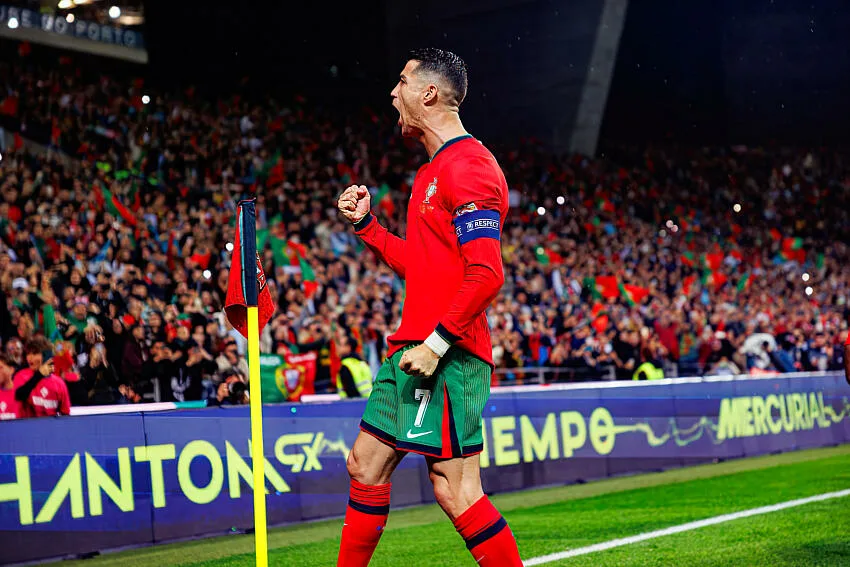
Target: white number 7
425	395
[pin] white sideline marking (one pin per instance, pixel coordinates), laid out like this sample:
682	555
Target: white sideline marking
682	528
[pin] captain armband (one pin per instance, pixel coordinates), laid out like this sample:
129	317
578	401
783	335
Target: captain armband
476	224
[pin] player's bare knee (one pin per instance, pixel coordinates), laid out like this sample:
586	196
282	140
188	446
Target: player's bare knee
449	496
370	462
355	466
445	495
470	492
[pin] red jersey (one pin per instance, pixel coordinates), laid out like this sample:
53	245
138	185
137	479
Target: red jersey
451	259
9	406
22	376
50	397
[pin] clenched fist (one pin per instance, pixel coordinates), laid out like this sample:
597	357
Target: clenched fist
355	203
419	361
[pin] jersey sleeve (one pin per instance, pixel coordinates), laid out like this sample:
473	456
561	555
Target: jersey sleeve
475	185
387	246
476	199
64	397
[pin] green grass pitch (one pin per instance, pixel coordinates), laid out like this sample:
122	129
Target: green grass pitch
555	519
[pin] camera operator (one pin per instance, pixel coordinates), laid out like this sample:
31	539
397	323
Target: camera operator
232	391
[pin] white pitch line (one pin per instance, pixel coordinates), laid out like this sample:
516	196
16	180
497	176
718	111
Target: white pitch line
682	528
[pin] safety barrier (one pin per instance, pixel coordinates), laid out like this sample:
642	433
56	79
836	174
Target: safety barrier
75	485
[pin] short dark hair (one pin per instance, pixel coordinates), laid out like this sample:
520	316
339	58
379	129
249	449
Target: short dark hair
36	345
6	360
445	64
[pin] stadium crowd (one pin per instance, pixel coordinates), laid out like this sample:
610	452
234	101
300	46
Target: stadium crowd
115	247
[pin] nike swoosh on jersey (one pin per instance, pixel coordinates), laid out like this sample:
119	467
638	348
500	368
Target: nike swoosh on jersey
411	435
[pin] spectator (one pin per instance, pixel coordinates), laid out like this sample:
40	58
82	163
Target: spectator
99	382
45	393
231	390
230	359
34	355
135	355
15	352
819	354
355	377
9	406
158	372
127	395
187	385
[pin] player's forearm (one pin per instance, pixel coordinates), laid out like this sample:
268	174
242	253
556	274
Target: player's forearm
388	247
481	285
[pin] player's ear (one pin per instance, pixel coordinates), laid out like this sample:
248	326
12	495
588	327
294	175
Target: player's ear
429	96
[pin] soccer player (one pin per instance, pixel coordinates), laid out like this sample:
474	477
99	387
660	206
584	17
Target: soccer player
429	394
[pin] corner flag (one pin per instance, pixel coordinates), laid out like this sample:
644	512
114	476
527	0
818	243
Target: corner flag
249	307
242	291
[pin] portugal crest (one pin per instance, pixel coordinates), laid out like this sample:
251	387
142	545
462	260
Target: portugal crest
430	191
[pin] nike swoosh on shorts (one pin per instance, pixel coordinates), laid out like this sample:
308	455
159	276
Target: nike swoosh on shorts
411	435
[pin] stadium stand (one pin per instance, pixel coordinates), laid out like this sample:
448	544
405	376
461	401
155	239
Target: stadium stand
114	244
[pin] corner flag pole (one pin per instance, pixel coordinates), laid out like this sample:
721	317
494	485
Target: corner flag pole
248	220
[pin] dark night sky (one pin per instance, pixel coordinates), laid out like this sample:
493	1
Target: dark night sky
729	71
285	45
703	71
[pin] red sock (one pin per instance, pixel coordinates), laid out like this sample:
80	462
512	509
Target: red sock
365	518
488	536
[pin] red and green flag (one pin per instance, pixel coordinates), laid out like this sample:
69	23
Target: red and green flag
606	287
605	205
688	259
792	250
289	252
308	278
547	256
113	205
281	253
600	318
633	294
713	260
384	200
272	171
593	224
47	322
714	278
792	243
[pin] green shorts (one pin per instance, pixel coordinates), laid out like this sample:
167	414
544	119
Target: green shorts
438	416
